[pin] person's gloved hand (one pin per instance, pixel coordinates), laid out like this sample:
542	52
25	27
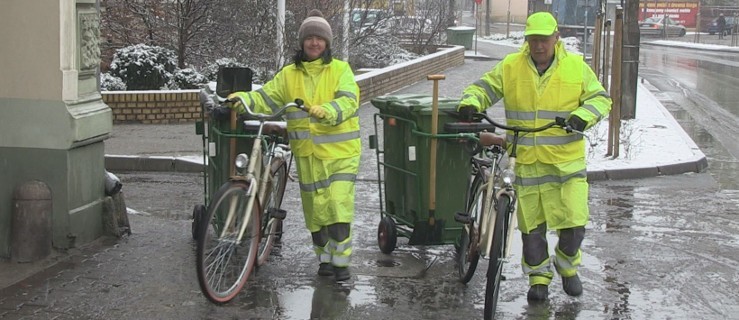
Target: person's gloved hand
238	106
317	112
576	123
466	112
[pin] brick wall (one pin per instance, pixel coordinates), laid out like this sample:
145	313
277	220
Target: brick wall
184	105
153	106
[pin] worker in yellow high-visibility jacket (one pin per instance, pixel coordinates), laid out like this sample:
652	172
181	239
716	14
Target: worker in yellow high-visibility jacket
540	82
324	138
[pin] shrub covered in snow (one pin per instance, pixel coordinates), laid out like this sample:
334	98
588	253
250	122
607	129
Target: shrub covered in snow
375	52
143	67
187	78
111	83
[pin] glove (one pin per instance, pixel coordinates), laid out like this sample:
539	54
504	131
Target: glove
317	112
466	112
238	106
576	123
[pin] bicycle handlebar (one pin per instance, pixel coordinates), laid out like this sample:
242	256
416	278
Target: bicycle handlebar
298	103
558	121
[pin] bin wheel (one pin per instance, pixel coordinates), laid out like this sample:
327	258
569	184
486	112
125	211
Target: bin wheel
387	235
197	215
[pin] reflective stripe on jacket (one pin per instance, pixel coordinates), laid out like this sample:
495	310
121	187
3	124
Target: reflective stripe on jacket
331	86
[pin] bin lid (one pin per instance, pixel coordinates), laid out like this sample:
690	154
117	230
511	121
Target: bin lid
385	103
424	105
414	103
461	28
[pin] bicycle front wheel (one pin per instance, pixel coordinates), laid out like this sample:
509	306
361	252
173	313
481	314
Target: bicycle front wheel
224	261
467	252
272	227
495	266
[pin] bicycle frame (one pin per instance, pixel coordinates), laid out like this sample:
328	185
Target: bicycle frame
494	189
256	167
506	176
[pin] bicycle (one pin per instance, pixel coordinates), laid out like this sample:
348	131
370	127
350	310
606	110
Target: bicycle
244	218
490	212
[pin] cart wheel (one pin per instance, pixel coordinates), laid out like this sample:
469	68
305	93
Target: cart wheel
197	215
387	235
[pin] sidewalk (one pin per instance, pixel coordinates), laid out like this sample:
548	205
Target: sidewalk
652	144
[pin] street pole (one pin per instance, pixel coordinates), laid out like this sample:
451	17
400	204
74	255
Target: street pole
345	33
508	22
487	17
280	32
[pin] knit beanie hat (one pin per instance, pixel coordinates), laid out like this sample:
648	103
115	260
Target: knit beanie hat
315	25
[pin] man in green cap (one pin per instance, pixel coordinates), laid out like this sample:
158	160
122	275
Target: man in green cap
540	82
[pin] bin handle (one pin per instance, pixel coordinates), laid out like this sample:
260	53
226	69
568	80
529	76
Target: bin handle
434	130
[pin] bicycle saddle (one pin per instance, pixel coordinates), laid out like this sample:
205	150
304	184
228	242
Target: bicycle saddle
277	128
488	139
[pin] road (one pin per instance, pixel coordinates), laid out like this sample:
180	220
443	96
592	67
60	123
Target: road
700	88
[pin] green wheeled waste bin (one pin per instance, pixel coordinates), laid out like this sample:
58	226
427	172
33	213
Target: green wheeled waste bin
404	158
461	36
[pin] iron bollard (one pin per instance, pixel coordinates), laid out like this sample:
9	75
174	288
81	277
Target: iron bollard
31	226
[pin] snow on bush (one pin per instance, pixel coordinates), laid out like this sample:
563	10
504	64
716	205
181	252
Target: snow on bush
143	67
374	52
111	83
187	78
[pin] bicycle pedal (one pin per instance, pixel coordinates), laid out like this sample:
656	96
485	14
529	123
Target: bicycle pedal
278	214
462	217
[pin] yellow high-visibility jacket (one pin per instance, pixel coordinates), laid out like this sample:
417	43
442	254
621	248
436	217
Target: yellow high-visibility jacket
332	86
568	87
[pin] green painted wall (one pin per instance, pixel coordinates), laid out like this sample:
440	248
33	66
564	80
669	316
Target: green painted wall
76	180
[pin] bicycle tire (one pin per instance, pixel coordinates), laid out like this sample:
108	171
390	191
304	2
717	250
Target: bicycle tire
467	253
271	227
495	266
223	263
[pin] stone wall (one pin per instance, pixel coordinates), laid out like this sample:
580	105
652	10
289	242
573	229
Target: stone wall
157	107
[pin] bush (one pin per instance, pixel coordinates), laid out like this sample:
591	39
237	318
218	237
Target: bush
187	78
375	52
143	67
111	83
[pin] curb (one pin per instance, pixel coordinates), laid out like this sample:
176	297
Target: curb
151	163
718	49
695	166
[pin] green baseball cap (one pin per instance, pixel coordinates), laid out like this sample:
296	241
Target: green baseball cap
541	23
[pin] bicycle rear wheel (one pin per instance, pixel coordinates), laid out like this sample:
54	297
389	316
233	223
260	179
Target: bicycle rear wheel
223	261
495	266
467	252
272	227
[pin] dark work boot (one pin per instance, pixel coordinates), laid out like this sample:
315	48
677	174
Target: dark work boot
538	293
572	285
342	273
325	269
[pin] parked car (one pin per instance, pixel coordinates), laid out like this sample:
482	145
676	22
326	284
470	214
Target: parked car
661	26
405	26
730	24
362	18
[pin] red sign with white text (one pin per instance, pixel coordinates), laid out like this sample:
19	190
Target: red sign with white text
684	13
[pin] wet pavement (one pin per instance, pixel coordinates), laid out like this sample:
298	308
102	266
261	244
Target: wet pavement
656	248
